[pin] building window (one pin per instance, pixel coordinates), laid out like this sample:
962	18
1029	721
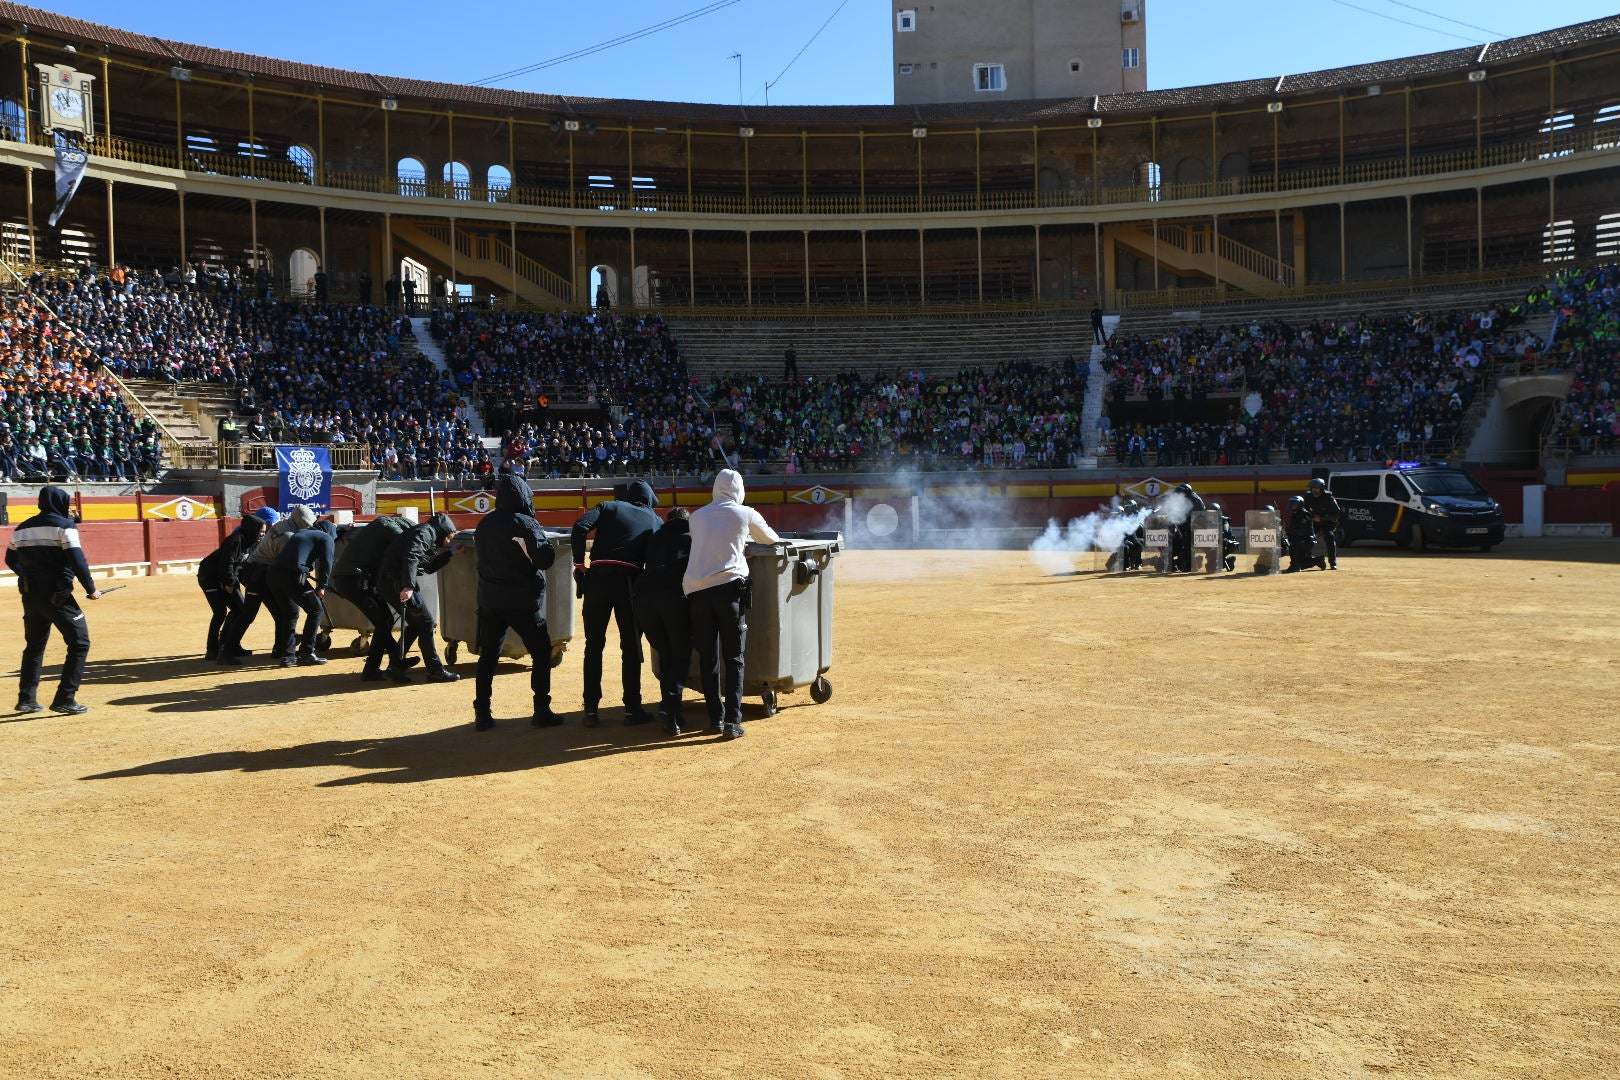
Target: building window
1074	67
1133	58
906	69
989	77
905	21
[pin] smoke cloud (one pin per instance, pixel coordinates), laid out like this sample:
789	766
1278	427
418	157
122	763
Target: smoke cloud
1175	508
1100	530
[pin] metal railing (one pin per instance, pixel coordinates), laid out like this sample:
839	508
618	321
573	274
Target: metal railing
1557	144
261	456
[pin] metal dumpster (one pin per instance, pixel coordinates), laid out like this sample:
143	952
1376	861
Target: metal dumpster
789	642
342	615
458	600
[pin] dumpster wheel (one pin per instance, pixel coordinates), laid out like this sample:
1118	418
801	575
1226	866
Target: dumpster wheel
451	648
820	690
768	699
323	641
361	642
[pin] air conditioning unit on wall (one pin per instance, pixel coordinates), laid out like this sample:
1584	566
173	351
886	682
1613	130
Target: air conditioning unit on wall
1130	11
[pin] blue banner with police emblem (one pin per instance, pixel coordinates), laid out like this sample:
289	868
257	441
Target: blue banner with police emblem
306	477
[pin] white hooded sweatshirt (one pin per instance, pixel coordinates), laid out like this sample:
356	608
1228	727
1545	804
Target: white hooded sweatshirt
720	532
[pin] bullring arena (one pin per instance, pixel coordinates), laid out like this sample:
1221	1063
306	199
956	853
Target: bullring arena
1054	820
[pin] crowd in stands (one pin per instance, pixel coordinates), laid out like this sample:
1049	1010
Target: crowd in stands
60	419
604	394
1356	389
308	372
1588	339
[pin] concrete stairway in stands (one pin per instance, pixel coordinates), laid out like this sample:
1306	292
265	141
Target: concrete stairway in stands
470	406
191	411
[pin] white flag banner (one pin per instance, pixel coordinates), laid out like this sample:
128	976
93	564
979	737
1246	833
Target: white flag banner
70	163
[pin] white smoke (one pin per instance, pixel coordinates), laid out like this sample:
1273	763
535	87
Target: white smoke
1100	530
1175	508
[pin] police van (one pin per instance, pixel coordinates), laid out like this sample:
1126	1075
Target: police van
1417	505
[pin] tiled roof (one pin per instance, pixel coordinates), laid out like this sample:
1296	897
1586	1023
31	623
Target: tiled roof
1024	111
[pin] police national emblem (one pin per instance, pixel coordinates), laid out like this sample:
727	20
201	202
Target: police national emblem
303	476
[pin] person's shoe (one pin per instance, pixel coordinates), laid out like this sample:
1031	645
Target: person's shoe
1333	566
409	662
441	675
716	728
483	722
672	723
240	653
69	708
289	661
372	675
637	716
732	731
311	660
29	706
399	675
546	719
211	655
592	719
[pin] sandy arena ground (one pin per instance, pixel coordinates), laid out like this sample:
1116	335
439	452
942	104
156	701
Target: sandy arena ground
1360	824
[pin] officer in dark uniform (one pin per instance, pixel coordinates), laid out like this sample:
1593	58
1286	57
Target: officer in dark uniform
1300	537
663	615
1181	532
1324	509
354	578
45	555
307	551
423	549
1131	542
1230	545
622	527
514	554
220	576
255	591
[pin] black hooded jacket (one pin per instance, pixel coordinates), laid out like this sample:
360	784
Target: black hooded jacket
622	527
222	568
364	549
414	552
513	551
44	551
310	551
667	555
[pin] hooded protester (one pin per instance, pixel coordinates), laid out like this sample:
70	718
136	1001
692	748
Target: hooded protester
220	576
622	527
716	586
513	557
307	552
663	613
422	549
45	555
255	590
354	578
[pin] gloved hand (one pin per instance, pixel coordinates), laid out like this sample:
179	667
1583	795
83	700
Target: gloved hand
579	577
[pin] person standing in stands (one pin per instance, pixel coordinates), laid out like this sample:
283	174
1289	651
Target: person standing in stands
513	557
622	527
664	615
45	555
716	585
790	364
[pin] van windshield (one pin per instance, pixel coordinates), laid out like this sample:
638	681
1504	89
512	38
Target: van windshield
1444	483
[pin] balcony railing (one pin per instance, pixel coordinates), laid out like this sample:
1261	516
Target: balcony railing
1557	144
254	456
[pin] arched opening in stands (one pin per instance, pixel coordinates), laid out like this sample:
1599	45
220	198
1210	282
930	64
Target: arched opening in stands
301	269
458	180
11	120
499	182
604	285
413	281
1152	177
303	159
1190	172
412	176
1234	169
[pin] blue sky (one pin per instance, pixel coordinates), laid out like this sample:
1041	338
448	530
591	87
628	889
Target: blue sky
850	63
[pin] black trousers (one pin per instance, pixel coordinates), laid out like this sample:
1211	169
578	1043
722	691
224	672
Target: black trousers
418	630
45	607
358	591
224	603
719	632
529	624
610	594
666	618
1181	557
1326	544
254	593
293	594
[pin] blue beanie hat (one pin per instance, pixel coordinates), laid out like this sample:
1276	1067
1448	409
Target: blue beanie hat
267	514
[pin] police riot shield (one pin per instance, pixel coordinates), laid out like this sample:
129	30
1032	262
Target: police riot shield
1157	544
1208	553
1262	538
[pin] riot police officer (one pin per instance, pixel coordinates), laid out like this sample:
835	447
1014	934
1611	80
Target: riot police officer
1229	540
1181	532
1300	537
1325	512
